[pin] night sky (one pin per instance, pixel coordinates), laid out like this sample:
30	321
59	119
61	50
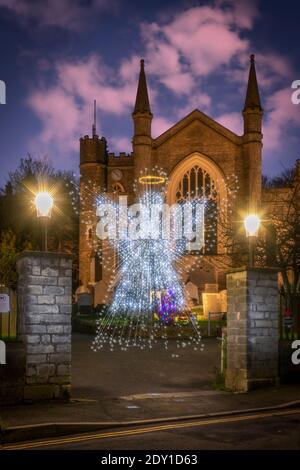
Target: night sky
58	55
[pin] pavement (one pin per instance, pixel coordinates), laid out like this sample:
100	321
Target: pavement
111	388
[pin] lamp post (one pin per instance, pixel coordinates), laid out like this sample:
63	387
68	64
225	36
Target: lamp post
44	203
252	224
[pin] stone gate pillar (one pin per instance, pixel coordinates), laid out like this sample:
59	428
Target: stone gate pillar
44	313
252	329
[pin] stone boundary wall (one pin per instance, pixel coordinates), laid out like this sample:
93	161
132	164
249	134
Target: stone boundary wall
45	307
252	329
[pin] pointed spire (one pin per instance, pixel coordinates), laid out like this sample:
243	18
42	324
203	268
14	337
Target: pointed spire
94	130
252	95
142	104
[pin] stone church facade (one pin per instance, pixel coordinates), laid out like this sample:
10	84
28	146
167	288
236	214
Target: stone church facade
195	153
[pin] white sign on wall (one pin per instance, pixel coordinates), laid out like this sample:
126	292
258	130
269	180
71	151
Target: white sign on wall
4	303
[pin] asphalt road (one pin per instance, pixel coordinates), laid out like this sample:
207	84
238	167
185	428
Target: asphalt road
112	374
269	431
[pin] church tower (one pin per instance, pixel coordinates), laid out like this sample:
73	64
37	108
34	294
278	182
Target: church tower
93	180
252	140
142	118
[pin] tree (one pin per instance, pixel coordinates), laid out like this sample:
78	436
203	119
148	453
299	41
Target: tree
280	245
29	171
18	213
279	242
8	253
283	180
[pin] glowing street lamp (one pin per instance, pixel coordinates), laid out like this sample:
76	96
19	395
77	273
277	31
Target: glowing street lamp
44	203
252	224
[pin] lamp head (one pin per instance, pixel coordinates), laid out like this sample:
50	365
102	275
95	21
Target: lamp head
43	203
252	224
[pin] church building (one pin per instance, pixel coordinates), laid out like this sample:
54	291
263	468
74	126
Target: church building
199	156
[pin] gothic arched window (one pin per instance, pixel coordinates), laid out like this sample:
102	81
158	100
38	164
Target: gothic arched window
196	183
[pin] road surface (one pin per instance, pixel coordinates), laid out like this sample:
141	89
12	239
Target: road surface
263	430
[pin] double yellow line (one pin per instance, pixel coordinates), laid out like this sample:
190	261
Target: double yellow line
146	430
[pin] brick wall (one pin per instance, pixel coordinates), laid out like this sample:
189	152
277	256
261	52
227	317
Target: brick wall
45	307
252	329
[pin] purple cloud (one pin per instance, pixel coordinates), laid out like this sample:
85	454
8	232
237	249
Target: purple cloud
67	14
197	46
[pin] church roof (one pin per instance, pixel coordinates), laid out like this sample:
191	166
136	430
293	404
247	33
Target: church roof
197	115
142	104
252	95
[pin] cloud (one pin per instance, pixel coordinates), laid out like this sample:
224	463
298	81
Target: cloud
120	144
65	109
88	78
197	100
243	12
206	45
67	14
281	117
180	83
204	38
272	70
160	125
194	43
198	58
129	69
232	121
62	120
204	41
